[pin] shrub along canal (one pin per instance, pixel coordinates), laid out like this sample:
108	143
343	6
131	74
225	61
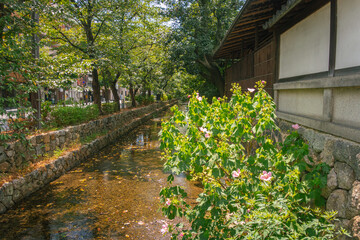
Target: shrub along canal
113	195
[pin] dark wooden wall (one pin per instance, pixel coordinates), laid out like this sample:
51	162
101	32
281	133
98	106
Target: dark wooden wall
255	66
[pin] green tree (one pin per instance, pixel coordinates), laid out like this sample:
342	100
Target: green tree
18	68
198	28
80	25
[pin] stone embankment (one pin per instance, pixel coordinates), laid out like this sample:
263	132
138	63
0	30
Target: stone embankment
342	192
15	155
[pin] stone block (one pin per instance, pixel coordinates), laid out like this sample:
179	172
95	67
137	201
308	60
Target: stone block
5	167
20	147
337	202
17	195
39	139
47	147
6	200
19	160
326	155
345	151
47	138
43	174
62	140
331	184
316	140
345	175
10	153
2	208
8	188
353	203
39	150
52	146
32	141
3	157
61	132
52	136
18	183
355	227
35	175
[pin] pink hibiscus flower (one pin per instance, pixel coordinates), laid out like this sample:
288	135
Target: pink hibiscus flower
266	176
236	173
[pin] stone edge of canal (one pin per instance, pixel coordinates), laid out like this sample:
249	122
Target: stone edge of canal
20	188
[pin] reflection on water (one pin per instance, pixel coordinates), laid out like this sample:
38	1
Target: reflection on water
114	195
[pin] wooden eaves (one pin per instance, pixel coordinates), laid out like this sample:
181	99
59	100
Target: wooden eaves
247	30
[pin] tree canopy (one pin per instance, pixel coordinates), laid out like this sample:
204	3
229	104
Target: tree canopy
198	28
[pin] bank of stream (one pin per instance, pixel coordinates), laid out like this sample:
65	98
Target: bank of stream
113	195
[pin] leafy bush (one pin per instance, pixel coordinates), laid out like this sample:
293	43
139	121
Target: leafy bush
109	108
71	115
164	97
253	186
45	110
69	101
145	100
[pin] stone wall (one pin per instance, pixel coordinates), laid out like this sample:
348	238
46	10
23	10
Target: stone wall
343	181
119	124
16	155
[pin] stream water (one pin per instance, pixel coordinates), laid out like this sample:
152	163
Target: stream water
113	195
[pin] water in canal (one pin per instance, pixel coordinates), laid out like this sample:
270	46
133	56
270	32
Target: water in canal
113	195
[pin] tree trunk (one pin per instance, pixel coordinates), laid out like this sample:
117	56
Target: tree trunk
132	95
116	95
149	92
107	94
96	90
213	74
34	99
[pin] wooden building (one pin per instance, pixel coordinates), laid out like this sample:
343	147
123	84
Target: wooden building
309	53
250	47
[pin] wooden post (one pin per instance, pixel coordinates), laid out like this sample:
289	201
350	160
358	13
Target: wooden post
333	33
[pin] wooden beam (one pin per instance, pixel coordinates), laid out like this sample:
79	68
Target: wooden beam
299	13
256	37
333	35
277	56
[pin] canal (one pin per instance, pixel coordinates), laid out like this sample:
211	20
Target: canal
113	195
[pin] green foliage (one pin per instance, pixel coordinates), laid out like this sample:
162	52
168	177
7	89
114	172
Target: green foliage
199	27
228	146
72	115
145	100
109	108
45	110
164	97
17	67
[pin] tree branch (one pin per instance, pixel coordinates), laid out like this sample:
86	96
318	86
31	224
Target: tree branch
66	39
96	35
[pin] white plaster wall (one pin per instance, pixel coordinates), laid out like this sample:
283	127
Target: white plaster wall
304	48
304	102
348	34
346	108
